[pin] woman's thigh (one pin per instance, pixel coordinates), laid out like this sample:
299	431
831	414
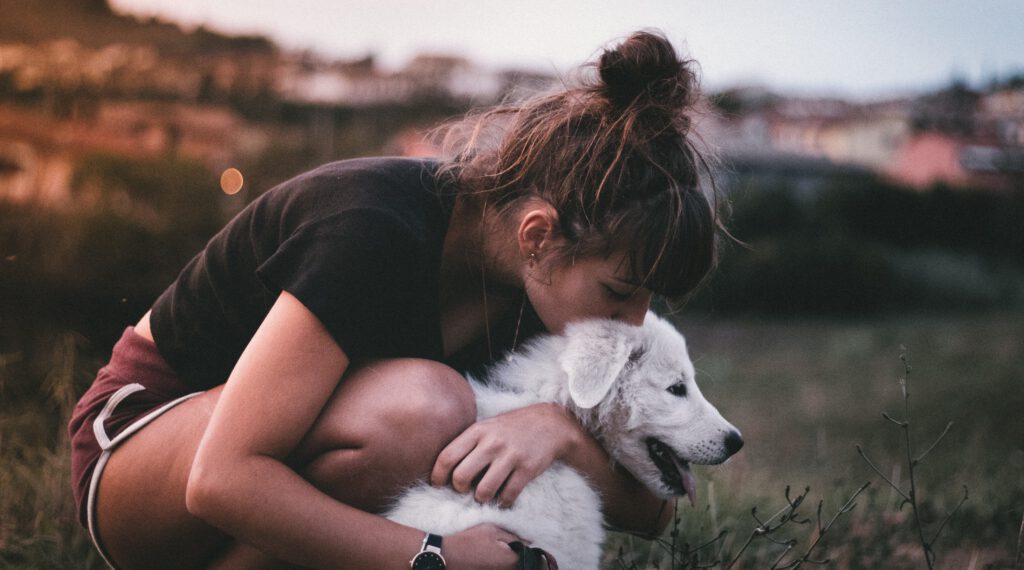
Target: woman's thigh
390	421
140	503
380	430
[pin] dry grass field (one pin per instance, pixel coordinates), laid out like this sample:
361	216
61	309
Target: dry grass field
804	392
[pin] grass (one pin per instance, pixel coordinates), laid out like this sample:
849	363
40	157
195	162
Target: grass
38	527
804	393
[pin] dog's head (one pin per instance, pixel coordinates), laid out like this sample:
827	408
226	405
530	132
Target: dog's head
634	387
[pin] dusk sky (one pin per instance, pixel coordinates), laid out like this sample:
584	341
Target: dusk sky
863	48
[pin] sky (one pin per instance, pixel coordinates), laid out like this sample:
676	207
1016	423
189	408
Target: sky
853	48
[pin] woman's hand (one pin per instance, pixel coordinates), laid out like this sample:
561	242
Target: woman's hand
480	547
500	455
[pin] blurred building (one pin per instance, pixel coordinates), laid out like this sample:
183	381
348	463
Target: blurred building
62	98
38	151
310	80
955	137
976	141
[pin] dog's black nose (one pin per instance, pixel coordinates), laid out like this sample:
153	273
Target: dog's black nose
733	442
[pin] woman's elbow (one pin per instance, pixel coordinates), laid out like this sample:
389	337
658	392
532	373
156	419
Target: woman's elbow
202	493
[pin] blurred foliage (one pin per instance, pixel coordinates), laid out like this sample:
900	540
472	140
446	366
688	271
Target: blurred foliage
135	224
38	525
856	245
845	246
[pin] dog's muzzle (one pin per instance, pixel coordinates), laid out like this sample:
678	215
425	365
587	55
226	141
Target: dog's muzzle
675	472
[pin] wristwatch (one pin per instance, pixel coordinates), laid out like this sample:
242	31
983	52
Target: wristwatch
429	556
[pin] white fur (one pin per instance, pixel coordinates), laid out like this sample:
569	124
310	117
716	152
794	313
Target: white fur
614	378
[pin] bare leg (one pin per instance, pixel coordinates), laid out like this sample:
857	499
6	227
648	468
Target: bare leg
379	432
364	452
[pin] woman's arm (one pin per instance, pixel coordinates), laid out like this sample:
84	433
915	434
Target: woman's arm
509	450
239	483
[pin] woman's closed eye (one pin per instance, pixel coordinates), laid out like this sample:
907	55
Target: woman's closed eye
616	294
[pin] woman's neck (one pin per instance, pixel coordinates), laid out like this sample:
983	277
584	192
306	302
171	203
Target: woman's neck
480	247
478	284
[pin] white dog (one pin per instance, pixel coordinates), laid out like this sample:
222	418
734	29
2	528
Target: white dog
632	388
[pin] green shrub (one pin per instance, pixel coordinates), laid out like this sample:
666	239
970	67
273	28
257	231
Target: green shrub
858	245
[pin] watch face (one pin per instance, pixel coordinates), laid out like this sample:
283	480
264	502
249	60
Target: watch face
428	561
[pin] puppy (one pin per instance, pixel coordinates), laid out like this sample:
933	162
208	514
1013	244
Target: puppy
633	389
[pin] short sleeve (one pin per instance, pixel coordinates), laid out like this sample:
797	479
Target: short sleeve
357	272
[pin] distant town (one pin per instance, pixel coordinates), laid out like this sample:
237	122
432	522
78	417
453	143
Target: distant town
62	99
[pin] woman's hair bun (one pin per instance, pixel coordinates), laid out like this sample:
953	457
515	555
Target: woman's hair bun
646	69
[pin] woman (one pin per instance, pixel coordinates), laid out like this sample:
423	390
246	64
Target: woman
322	331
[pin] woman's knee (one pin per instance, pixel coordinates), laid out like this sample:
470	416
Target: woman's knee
433	397
388	399
383	429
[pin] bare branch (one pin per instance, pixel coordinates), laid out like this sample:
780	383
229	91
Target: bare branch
902	424
932	446
948	516
1019	564
847	507
882	475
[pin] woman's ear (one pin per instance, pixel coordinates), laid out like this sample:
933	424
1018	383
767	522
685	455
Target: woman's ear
538	225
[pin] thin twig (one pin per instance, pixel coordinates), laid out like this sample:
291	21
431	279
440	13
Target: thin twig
764	529
789	544
901	423
949	516
895	487
742	549
847	507
932	446
1019	565
929	555
708	543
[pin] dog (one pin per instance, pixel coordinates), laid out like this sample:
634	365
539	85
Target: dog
633	389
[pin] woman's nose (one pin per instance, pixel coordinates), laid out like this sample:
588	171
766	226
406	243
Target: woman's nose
635	312
632	317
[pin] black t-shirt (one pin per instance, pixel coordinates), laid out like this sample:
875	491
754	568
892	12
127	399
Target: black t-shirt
358	242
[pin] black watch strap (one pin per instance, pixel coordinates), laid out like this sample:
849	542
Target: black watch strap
533	558
432	540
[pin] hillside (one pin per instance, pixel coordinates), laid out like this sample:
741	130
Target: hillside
92	23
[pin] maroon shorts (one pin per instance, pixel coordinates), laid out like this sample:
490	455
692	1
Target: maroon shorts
135	360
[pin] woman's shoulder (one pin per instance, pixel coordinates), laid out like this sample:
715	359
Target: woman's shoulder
404	189
370	176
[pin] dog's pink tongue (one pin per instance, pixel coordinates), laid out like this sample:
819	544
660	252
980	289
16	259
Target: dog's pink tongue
689	481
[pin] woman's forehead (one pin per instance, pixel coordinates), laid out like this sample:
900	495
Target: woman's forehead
616	265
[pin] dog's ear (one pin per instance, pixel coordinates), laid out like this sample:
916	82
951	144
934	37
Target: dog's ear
595	354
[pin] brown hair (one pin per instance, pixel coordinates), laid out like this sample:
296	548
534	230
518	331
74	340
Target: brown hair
615	158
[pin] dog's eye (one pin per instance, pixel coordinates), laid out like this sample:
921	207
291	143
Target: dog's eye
678	389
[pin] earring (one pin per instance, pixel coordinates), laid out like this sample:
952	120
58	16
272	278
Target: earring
533	259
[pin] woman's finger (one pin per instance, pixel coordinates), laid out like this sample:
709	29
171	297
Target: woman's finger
470	470
496	475
513	487
507	537
451	456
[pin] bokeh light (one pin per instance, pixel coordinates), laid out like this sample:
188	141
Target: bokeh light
231	181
